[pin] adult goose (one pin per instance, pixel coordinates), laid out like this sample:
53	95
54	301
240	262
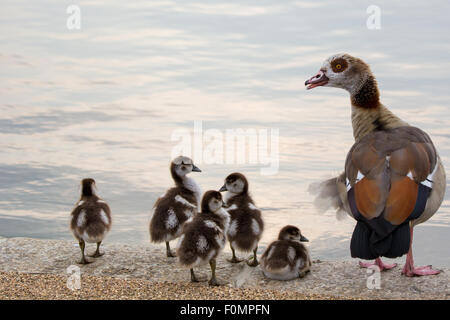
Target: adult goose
393	178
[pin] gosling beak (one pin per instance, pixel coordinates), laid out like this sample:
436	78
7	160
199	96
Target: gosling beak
303	239
196	169
320	79
224	188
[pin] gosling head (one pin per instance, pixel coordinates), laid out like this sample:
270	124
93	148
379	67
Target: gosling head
181	166
87	187
235	183
212	201
291	233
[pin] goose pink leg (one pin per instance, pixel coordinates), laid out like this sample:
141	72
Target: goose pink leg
410	271
380	264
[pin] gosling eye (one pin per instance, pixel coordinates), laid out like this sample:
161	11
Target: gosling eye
183	168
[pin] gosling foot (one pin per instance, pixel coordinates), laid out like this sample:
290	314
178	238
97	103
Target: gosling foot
234	260
96	254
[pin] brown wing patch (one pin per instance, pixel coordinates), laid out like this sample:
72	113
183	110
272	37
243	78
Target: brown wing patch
368	198
386	158
401	200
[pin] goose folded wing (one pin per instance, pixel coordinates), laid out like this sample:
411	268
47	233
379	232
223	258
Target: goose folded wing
389	175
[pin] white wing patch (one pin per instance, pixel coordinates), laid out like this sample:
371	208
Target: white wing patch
188	213
252	206
202	244
291	254
81	202
429	180
359	177
189	220
255	227
233	207
81	221
232	230
104	217
172	220
211	224
409	175
182	200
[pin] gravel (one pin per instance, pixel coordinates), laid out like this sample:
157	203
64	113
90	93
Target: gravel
38	269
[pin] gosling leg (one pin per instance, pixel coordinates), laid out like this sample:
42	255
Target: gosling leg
194	277
255	262
169	253
234	259
83	258
97	252
213	280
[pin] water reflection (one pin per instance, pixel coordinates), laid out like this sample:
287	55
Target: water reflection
104	101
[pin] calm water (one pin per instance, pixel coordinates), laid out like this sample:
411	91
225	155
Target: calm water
104	101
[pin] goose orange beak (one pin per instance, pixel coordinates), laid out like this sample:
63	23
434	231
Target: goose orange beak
320	79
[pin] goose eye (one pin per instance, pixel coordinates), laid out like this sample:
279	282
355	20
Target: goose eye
183	168
338	66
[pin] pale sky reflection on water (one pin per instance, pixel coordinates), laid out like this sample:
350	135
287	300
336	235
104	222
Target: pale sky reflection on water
104	101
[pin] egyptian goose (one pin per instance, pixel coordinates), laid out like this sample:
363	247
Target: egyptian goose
176	205
287	258
204	236
246	226
393	178
91	219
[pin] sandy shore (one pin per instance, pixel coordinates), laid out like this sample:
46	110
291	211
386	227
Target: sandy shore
37	269
14	285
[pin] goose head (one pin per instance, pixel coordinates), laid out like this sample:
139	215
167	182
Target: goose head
341	71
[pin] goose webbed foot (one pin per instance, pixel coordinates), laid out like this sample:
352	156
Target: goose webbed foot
379	263
410	271
419	271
